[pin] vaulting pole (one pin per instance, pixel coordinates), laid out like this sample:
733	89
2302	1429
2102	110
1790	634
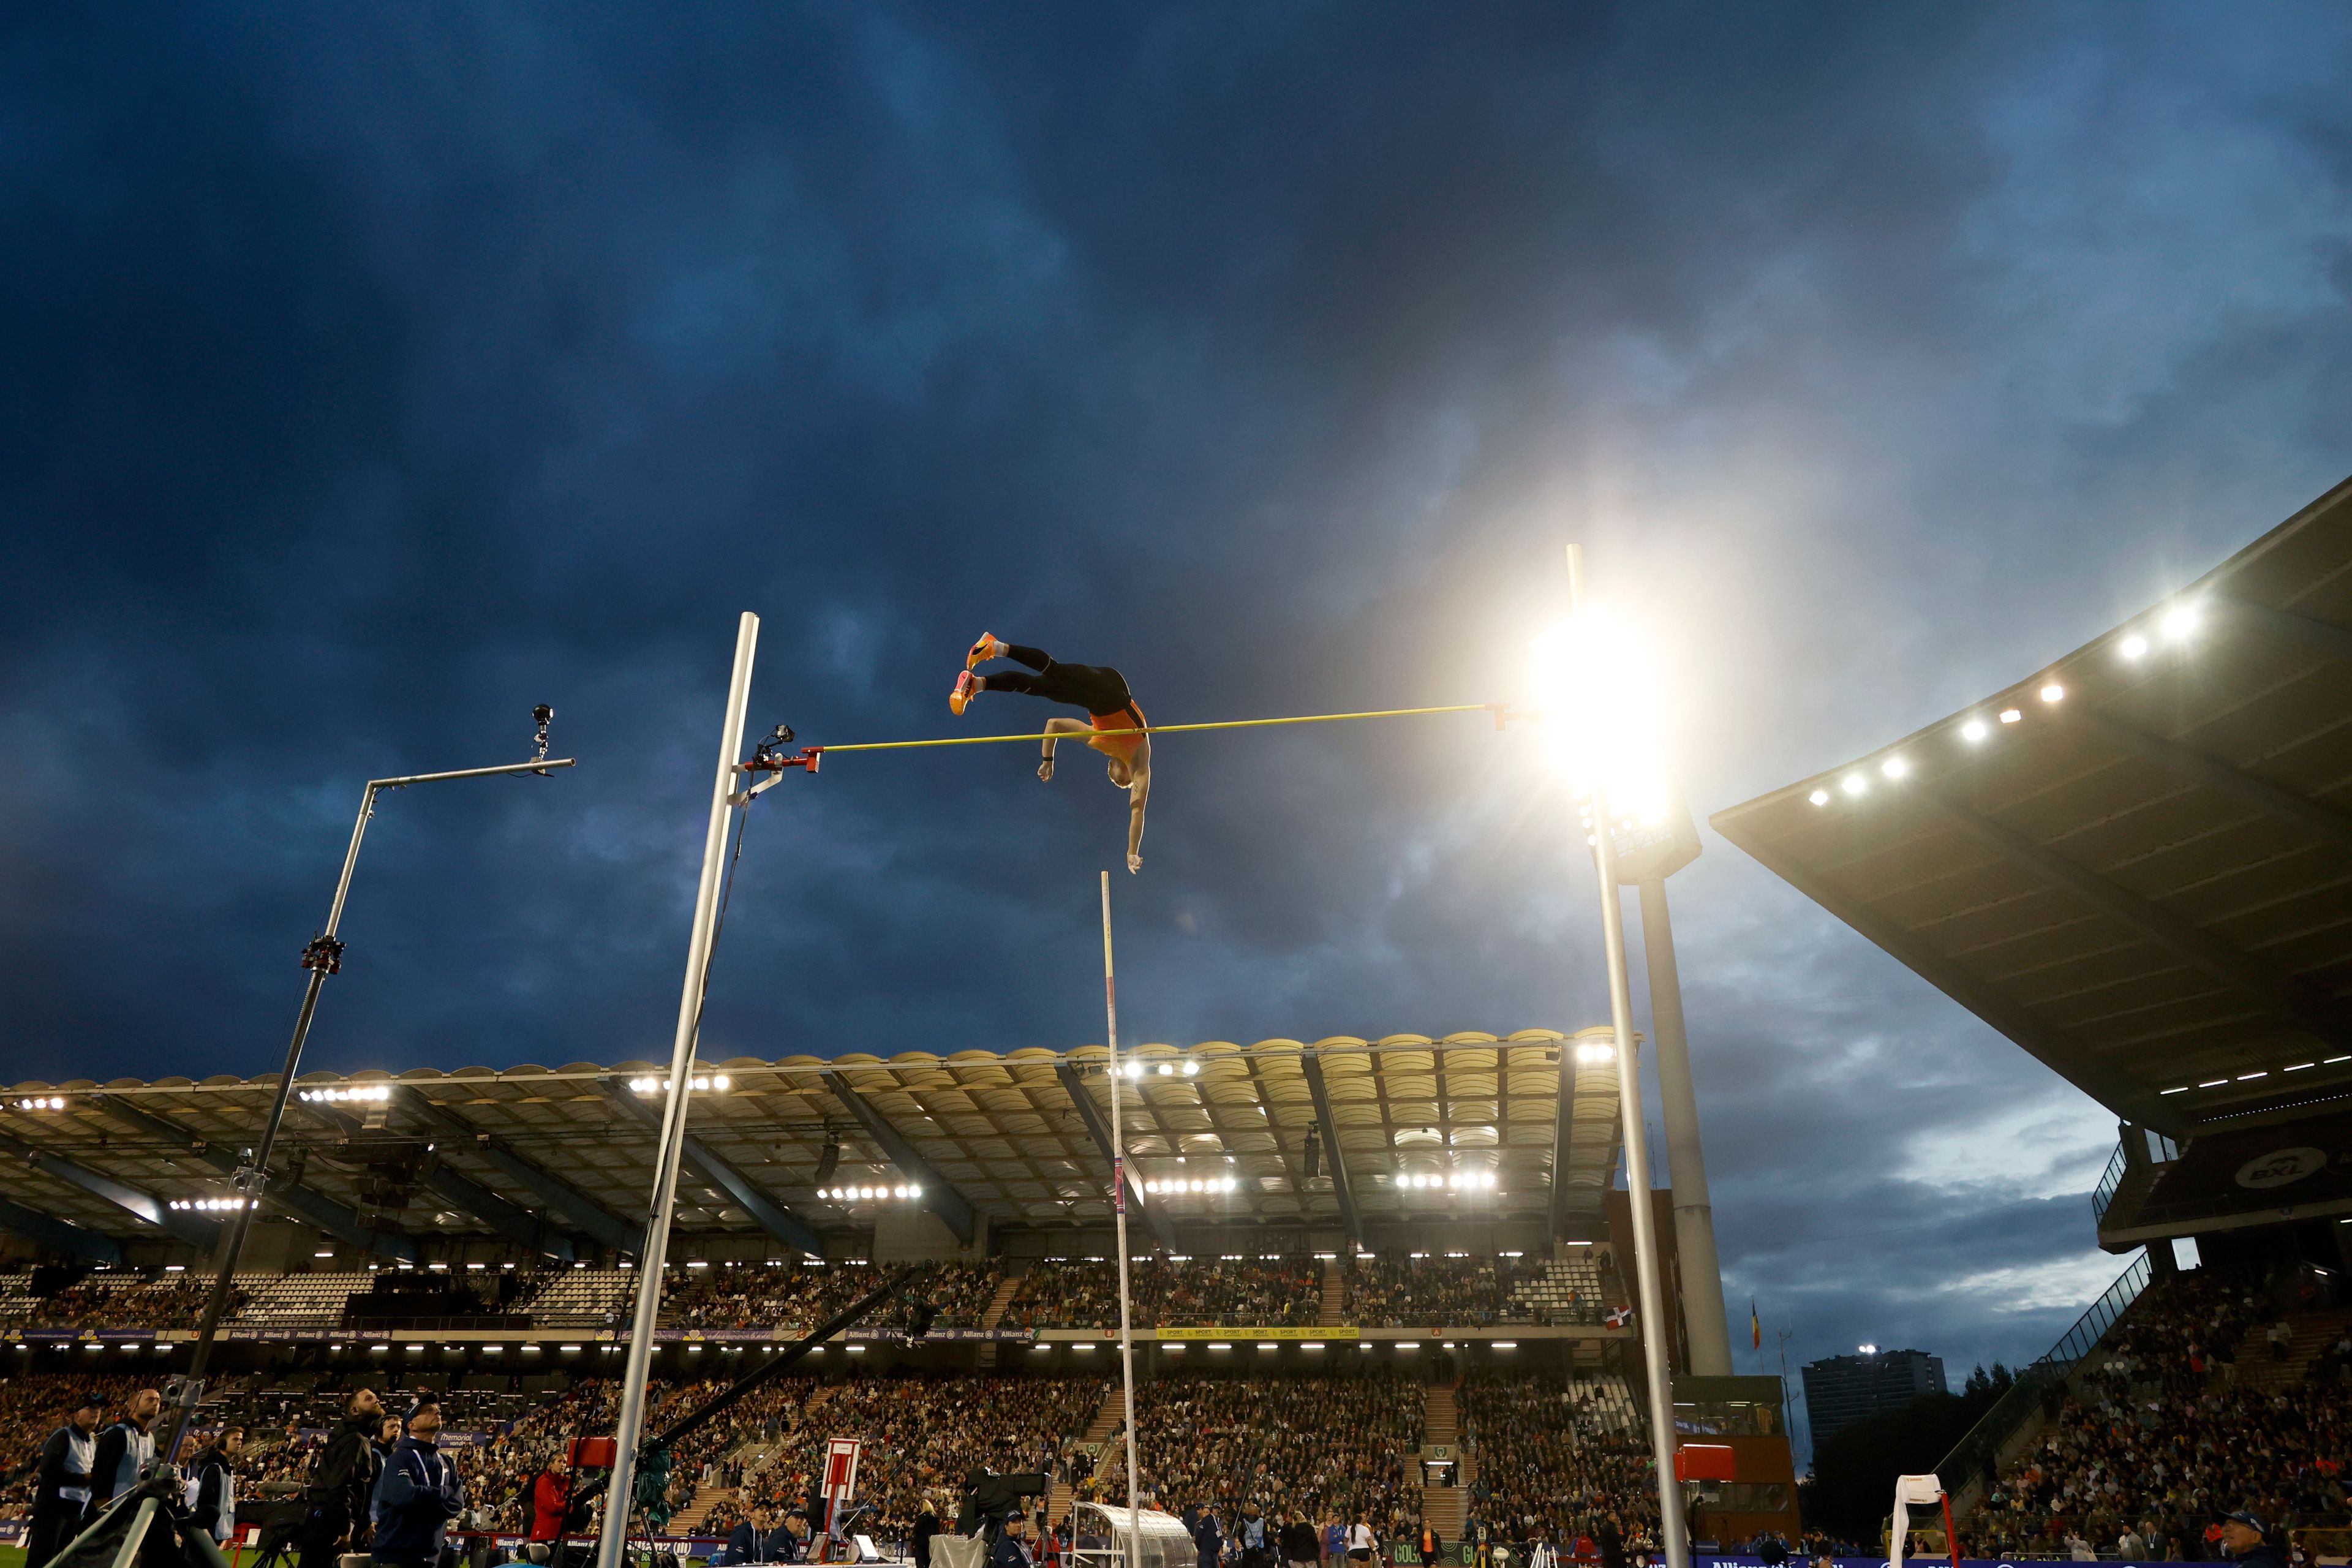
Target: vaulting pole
614	1537
1118	1213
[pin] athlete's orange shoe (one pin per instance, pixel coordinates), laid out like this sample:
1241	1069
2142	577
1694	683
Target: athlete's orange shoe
984	649
967	687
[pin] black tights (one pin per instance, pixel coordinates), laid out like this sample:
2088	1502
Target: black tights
1098	689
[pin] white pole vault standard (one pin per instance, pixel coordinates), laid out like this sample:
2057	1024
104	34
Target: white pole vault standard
613	1538
1119	1212
1654	1327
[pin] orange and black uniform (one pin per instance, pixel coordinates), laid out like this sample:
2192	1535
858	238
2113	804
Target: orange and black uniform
1098	689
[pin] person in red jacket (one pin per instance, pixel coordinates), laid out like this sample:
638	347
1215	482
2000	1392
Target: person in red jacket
548	1493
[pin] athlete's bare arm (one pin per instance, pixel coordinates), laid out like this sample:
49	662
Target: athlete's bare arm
1059	725
1137	781
1139	796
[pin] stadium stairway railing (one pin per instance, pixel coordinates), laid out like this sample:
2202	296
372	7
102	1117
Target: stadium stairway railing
2002	1430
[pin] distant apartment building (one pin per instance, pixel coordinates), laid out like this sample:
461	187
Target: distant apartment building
1843	1389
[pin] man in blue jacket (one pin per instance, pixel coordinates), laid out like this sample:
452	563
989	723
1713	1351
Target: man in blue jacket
1013	1548
1208	1538
418	1496
758	1539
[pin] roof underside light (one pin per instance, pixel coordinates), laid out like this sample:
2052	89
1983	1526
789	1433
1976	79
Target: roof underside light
1820	797
2011	715
1975	730
1854	783
2180	622
1895	768
2133	647
2053	692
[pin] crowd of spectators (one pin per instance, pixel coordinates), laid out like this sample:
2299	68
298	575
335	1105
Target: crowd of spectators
109	1301
1212	1292
1392	1291
924	1433
1548	1466
1345	1446
801	1296
1396	1291
2148	1447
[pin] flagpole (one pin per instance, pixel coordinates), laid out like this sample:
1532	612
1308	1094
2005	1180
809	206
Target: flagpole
1783	1336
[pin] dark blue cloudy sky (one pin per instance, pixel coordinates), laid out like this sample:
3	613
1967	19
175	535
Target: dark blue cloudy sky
368	374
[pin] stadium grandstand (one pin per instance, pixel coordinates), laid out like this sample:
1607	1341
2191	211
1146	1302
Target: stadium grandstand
1371	1277
2136	864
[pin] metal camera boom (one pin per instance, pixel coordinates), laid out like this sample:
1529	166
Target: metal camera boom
322	956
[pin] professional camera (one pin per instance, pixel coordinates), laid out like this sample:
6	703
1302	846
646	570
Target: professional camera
989	1497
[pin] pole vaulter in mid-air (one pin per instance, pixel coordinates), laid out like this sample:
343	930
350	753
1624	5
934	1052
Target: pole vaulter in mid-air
1114	725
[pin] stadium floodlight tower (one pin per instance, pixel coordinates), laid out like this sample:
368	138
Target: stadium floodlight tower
323	956
1603	706
1647	853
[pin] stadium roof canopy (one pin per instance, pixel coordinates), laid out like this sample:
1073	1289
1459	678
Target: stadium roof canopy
2135	863
548	1158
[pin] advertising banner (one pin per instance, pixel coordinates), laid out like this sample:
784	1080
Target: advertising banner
1321	1333
779	1336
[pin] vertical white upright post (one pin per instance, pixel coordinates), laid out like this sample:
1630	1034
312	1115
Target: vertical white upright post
1655	1329
613	1539
1119	1215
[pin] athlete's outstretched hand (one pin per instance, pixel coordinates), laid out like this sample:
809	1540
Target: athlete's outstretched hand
1045	771
1134	864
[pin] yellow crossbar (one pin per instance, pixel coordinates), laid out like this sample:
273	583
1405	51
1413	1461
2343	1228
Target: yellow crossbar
1167	729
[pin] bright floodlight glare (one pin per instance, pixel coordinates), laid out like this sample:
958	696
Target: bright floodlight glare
378	1092
1854	783
1820	797
2053	692
1974	730
2011	715
2133	647
2179	621
1191	1069
1895	768
1597	683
